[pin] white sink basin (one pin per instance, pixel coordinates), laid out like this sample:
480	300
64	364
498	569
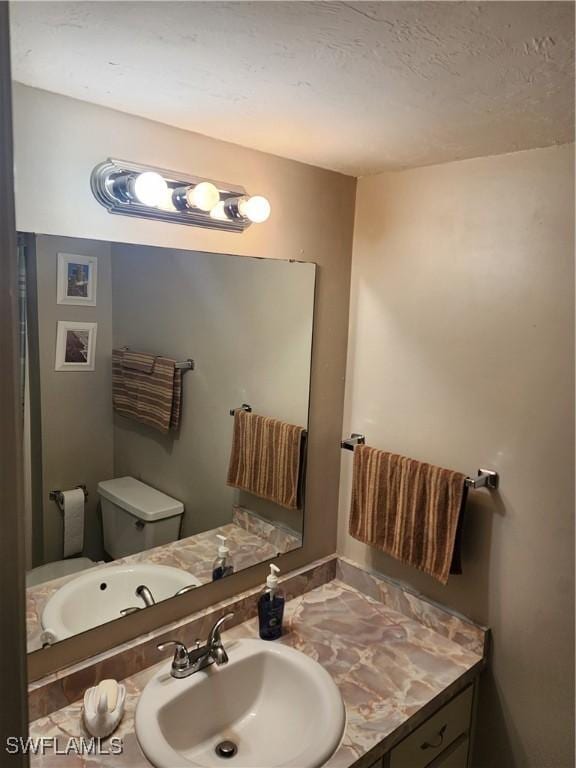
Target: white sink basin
278	706
100	594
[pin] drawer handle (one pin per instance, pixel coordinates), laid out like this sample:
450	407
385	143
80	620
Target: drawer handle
438	741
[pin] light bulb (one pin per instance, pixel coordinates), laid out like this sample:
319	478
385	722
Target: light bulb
256	208
203	196
218	212
167	203
150	188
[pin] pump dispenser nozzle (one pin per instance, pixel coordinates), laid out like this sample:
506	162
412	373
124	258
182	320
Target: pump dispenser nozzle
222	548
222	565
272	579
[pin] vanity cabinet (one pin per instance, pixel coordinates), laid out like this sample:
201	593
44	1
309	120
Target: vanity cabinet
456	756
442	741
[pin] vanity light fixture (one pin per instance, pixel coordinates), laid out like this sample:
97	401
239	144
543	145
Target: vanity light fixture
132	189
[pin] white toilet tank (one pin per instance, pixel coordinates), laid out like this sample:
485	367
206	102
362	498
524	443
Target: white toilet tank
136	517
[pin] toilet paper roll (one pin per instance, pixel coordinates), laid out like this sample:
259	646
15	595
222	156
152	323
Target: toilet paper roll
73	504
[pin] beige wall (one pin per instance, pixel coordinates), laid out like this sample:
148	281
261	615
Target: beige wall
461	354
76	406
247	323
57	143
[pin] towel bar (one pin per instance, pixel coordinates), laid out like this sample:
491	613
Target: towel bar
248	409
486	478
182	365
243	407
59	499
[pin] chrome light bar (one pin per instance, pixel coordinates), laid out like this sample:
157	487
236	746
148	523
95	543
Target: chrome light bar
133	189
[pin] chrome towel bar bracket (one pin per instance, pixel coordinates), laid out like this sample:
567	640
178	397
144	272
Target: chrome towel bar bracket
185	365
486	478
243	407
355	439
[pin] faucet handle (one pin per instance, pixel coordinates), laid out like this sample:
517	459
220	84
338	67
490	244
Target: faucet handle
183	590
180	660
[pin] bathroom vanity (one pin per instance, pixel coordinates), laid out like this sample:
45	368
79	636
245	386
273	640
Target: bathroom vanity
406	669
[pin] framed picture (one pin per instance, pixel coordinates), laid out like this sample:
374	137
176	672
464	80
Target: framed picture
77	279
75	346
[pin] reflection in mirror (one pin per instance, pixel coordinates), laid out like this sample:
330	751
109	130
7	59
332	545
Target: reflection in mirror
165	409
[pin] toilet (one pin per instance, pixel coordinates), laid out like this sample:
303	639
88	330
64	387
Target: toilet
136	517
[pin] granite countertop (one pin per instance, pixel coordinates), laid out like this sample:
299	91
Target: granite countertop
251	540
394	657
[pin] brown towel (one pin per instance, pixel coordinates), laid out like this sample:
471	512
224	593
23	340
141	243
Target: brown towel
138	361
147	389
408	509
266	458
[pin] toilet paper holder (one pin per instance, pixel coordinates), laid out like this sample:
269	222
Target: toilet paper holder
58	497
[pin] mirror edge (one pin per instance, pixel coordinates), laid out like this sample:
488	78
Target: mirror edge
14	717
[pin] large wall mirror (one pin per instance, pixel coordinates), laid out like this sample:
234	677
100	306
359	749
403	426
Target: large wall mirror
165	404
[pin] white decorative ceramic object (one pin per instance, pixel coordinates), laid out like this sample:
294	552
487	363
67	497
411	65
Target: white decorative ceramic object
104	707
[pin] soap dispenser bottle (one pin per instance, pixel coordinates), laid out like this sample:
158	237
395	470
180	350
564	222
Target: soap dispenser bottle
222	566
271	607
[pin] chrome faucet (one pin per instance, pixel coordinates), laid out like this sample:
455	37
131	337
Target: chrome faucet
143	592
146	595
186	662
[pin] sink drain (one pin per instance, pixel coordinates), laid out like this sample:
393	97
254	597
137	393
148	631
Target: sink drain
226	749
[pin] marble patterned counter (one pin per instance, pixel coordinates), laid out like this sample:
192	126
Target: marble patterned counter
251	540
394	656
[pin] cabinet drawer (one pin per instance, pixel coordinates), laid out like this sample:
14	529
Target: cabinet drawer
429	740
456	758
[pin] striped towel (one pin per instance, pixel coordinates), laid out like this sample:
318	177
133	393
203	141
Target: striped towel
408	509
147	389
137	361
266	458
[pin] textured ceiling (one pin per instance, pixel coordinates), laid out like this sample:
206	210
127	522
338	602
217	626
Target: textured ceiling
357	87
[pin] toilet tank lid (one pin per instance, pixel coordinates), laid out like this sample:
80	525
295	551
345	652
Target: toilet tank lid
140	499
